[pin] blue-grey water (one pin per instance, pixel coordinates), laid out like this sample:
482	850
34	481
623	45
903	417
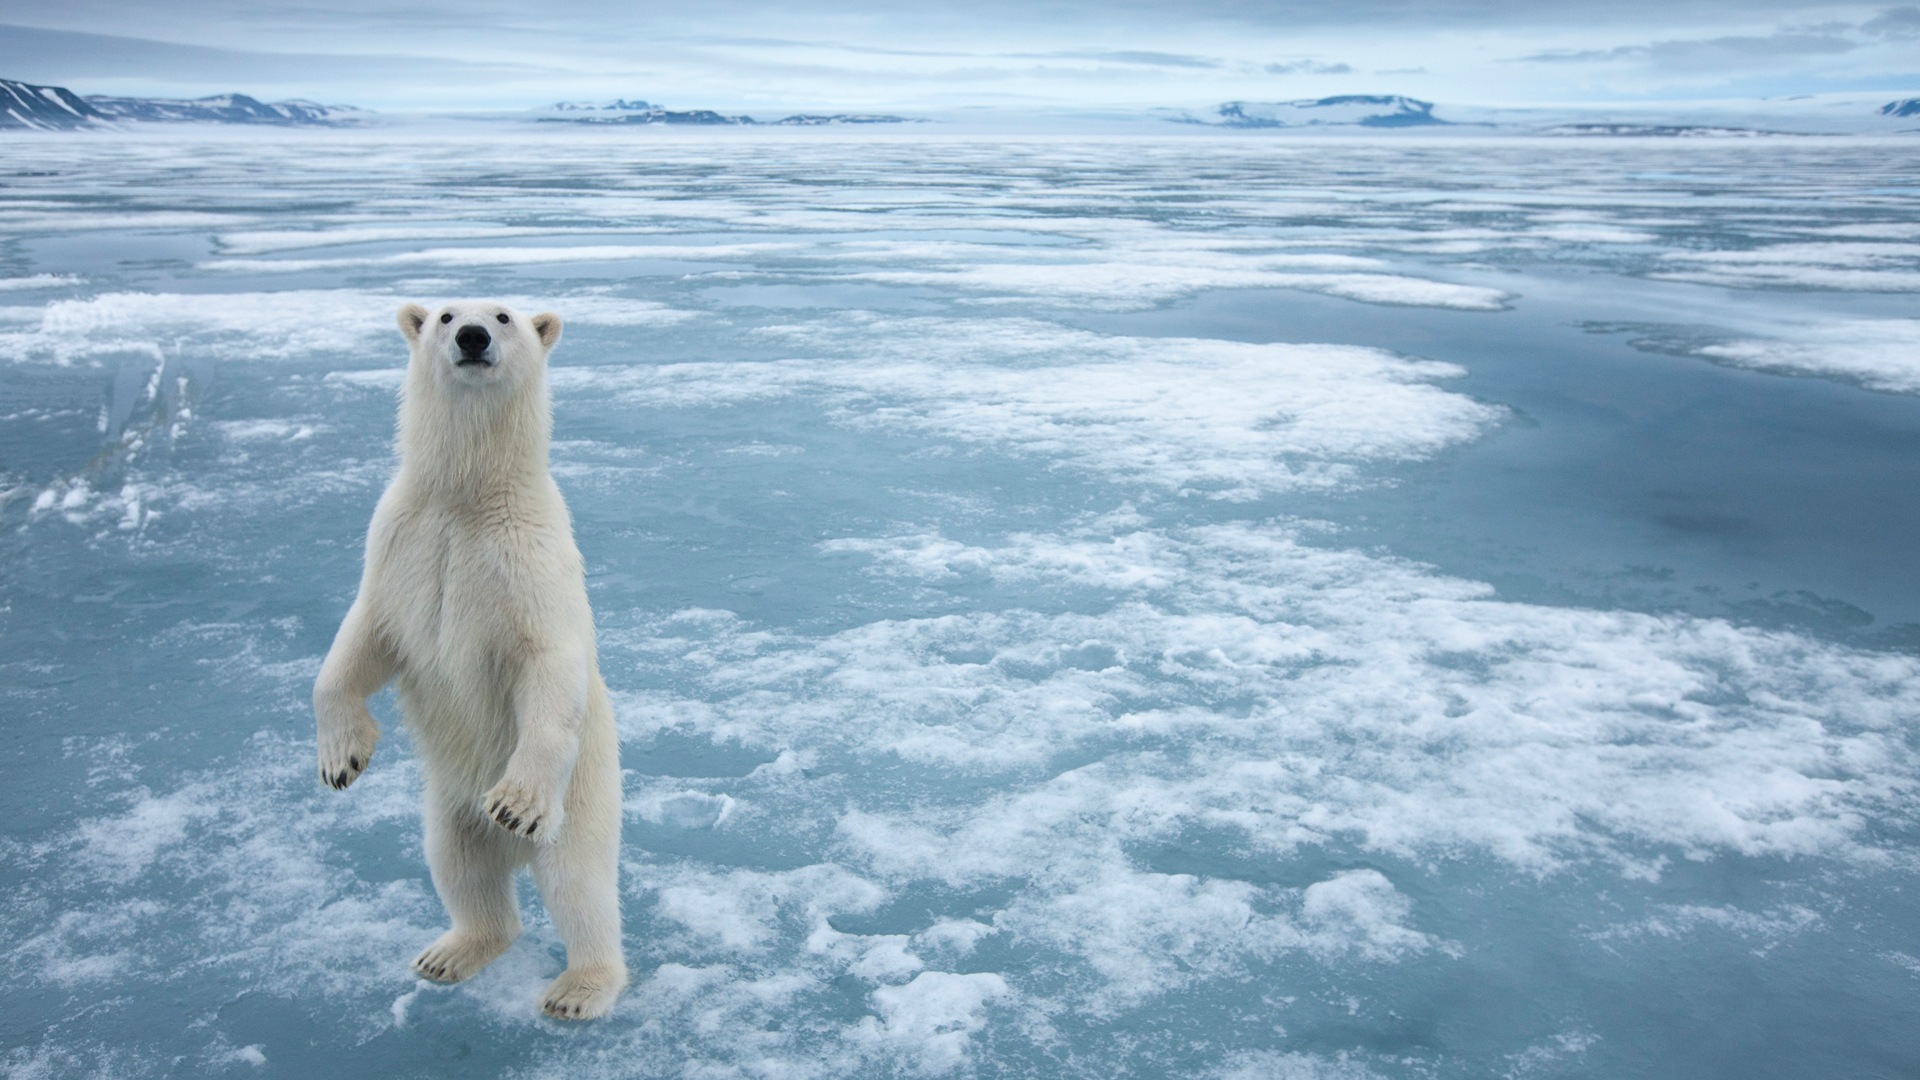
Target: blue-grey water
1142	606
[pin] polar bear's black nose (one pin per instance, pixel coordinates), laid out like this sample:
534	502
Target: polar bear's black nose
472	339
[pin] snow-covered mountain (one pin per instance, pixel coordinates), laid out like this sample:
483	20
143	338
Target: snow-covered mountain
225	109
1659	131
817	119
1844	113
622	111
616	106
1345	110
56	108
44	108
1850	113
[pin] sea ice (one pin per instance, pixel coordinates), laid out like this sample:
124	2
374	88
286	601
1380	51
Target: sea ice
979	535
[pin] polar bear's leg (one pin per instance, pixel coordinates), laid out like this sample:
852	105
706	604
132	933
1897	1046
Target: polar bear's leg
583	897
472	864
357	665
579	879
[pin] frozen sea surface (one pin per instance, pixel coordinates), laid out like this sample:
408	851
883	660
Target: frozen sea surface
1185	606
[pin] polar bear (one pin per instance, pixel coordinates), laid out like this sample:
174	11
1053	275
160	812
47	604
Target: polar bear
474	600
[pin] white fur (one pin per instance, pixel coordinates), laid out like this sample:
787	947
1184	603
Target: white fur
474	600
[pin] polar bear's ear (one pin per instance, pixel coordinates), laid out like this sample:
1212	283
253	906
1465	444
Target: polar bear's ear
412	318
547	325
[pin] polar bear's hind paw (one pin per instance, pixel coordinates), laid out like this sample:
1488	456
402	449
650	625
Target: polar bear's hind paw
457	956
583	993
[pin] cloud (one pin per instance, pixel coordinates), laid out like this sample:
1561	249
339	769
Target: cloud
1900	24
1126	56
837	46
69	58
248	15
1306	67
754	55
1706	52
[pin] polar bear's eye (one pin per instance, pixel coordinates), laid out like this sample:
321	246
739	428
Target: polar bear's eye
447	318
502	316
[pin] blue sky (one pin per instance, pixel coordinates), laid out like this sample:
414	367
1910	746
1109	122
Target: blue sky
749	54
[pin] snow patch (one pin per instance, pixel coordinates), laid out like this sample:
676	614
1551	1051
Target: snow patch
1220	418
934	1016
1881	354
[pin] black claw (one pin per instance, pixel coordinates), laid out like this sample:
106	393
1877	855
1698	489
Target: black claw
355	762
532	827
343	778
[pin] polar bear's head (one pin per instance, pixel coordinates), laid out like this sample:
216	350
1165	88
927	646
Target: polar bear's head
479	343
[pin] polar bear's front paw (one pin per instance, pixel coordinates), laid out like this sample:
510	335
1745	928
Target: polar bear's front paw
522	810
345	752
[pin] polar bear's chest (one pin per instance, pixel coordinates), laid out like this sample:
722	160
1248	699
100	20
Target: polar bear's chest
451	606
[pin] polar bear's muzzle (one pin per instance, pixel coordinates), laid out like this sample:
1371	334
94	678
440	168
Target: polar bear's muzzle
474	342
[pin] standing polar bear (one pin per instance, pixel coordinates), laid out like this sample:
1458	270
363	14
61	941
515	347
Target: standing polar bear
473	598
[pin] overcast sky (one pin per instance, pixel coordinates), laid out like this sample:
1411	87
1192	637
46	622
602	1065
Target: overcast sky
889	54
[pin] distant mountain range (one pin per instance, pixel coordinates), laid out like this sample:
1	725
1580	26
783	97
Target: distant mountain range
1660	131
226	109
1833	114
622	111
1345	110
1836	114
56	108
